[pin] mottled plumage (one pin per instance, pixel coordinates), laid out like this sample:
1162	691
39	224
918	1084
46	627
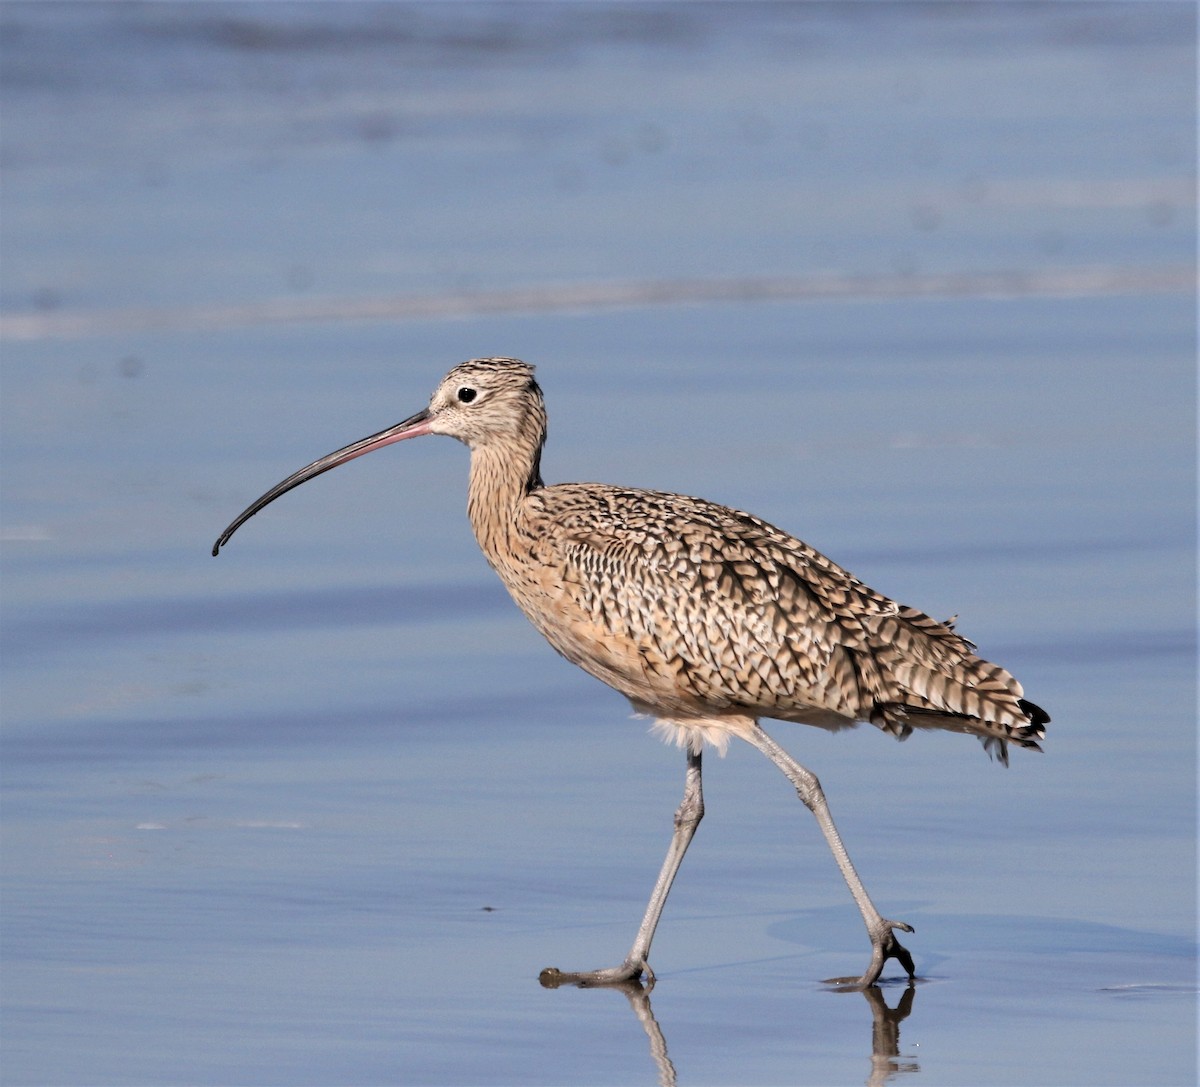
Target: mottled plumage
704	617
695	611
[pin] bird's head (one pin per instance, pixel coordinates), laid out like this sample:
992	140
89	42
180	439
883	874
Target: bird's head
484	403
488	401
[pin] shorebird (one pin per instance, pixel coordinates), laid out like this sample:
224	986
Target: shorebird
707	619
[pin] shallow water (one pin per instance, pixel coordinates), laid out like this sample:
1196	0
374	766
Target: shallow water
320	811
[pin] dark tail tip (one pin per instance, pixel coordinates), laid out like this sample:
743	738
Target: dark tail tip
1037	716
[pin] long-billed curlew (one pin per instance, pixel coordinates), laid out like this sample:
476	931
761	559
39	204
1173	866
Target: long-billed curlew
705	618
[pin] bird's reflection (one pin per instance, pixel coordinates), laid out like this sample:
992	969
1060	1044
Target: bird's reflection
639	1000
886	1061
638	996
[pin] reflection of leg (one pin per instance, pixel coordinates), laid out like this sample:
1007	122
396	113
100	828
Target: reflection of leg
687	818
884	944
885	1034
639	1001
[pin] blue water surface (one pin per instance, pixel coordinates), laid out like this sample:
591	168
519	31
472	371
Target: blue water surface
914	282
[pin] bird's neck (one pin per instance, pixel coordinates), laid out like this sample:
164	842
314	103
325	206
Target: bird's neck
502	477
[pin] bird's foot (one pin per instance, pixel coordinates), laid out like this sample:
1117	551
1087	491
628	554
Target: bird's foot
884	946
630	971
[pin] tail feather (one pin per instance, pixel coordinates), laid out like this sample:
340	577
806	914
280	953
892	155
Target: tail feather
900	719
922	674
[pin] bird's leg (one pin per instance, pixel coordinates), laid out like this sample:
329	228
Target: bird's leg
687	818
883	940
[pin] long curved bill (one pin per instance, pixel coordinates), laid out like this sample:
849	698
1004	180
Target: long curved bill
412	427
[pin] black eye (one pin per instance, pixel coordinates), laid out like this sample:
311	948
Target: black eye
466	394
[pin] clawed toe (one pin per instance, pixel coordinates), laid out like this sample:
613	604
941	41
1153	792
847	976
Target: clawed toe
884	946
894	949
552	977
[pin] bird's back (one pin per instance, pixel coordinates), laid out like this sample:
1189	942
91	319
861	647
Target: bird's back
691	608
